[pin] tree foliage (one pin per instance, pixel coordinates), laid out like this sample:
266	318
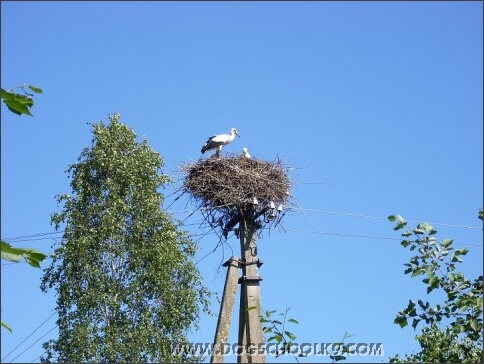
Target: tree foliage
461	338
126	286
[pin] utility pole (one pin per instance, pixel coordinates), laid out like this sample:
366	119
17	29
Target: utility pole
226	309
228	190
251	336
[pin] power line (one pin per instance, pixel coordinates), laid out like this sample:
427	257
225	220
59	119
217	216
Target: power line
212	231
32	236
34	360
342	234
386	218
359	236
360	215
40	338
41	236
33	332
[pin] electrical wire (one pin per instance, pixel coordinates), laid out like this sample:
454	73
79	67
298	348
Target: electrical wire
41	236
33	332
34	360
361	236
343	234
40	338
32	236
386	218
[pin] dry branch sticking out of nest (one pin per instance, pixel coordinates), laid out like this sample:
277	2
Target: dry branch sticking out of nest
228	185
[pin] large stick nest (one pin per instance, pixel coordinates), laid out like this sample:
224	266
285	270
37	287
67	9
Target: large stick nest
232	185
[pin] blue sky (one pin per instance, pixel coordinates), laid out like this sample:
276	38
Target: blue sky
377	107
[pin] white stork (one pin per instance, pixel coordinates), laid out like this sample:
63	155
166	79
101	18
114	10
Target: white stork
246	153
218	141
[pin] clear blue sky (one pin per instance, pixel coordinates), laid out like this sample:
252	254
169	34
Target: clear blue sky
376	105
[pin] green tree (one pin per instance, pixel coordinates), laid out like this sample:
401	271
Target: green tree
453	329
127	288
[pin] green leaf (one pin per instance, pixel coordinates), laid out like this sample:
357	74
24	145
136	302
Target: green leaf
425	226
401	320
24	100
337	357
37	90
392	218
446	243
405	243
293	321
474	325
415	322
33	262
290	335
6	326
269	313
251	308
17	107
5	95
456	259
347	335
416	272
11	257
462	251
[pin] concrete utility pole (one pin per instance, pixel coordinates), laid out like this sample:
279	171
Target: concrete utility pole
226	309
251	335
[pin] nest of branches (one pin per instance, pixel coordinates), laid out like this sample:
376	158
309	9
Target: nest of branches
225	188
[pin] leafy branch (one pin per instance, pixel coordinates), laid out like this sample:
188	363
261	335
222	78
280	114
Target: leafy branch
341	349
11	254
437	263
31	256
20	103
277	329
286	339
